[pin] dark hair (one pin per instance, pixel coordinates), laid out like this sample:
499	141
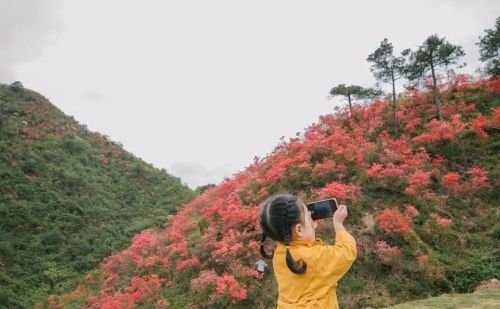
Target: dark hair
279	213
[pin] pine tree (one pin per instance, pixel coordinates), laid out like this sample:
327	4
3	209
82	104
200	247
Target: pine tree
433	54
489	49
353	92
387	68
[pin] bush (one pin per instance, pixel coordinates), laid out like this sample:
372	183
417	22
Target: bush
471	270
394	286
17	86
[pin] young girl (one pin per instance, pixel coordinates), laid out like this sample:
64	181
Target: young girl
307	270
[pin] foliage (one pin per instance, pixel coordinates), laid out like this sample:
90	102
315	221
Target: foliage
404	186
387	68
68	198
354	92
433	54
392	220
489	49
203	188
17	86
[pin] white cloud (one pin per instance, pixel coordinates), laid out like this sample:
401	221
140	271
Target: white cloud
25	28
194	174
214	83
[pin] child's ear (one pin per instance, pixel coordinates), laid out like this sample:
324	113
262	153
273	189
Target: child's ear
298	230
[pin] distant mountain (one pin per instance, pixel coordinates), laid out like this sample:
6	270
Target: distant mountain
68	198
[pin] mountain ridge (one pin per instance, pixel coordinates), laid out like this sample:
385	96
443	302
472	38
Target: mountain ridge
68	197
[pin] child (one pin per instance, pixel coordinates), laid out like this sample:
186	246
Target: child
307	270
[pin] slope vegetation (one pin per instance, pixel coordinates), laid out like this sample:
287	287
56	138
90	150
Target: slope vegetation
68	198
423	208
482	300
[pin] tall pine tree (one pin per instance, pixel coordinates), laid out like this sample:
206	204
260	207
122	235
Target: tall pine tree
433	54
489	49
387	68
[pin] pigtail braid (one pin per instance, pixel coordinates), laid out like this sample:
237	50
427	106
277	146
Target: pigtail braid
263	251
297	267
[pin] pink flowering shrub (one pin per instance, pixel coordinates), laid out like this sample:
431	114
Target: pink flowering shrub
111	278
443	222
411	211
324	168
342	192
389	255
391	170
476	180
393	221
227	285
418	182
141	290
423	260
191	262
440	131
479	124
451	181
143	245
53	304
204	280
383	247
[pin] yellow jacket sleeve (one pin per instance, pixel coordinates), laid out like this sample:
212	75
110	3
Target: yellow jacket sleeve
335	261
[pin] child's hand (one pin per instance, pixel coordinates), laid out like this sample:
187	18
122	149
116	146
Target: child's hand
340	214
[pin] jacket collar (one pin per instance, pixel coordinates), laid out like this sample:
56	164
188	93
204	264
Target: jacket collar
303	243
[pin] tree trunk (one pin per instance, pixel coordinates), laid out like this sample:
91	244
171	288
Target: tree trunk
395	122
437	98
350	104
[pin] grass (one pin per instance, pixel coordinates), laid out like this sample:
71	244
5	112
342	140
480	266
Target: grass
487	299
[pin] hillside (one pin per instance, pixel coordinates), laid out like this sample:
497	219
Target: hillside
423	207
68	198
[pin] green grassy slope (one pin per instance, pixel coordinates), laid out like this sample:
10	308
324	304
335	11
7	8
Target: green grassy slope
68	198
489	299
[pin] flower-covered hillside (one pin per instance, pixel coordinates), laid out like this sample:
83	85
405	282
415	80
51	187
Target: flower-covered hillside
423	206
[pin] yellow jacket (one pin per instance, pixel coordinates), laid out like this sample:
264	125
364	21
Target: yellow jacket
326	265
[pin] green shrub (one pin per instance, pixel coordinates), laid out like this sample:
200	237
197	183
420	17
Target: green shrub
394	286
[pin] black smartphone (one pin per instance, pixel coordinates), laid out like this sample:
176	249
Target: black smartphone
322	209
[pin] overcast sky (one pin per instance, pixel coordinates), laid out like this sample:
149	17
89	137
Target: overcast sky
201	87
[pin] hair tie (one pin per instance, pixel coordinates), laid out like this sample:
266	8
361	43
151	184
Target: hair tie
263	238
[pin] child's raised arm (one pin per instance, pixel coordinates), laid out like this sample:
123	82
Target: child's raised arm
336	260
339	217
